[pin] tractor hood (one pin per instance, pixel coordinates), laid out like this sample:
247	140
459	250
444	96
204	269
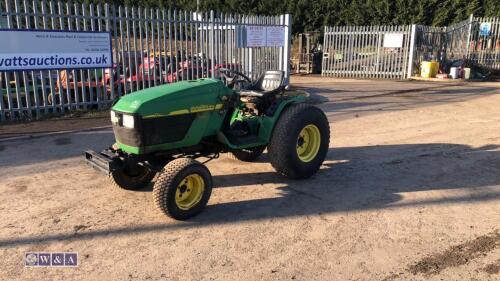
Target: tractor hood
172	99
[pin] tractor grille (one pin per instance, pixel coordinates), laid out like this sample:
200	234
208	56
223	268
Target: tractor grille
166	129
126	136
153	131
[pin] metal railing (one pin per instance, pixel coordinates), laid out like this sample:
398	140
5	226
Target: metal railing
440	43
484	49
364	51
361	52
460	41
151	46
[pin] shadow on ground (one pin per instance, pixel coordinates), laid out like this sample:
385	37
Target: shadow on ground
44	149
344	103
352	179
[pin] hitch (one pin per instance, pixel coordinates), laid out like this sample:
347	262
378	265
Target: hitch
103	161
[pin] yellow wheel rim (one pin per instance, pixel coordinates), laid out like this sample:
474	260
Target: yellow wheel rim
308	143
189	191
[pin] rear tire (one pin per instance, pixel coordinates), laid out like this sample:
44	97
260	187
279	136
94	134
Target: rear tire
247	155
182	189
300	141
139	179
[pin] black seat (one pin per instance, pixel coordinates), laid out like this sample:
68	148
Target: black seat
269	83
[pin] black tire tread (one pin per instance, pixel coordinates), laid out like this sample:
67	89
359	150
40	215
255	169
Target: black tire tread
139	183
165	179
276	148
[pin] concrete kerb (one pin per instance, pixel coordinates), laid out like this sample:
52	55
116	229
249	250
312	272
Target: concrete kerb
39	135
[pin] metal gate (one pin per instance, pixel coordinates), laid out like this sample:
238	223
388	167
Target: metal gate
366	51
150	47
440	43
484	49
362	52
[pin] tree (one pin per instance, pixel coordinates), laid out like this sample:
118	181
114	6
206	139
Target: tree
313	15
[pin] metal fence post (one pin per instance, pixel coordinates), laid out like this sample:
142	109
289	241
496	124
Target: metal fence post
411	52
281	50
250	63
471	20
286	51
212	47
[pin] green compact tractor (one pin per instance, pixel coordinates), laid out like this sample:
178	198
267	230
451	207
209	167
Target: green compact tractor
162	130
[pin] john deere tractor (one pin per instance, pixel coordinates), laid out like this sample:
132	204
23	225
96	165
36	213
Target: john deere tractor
163	130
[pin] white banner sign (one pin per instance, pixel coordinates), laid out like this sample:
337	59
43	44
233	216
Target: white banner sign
264	36
41	50
393	40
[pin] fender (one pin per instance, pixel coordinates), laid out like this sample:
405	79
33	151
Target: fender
266	125
268	122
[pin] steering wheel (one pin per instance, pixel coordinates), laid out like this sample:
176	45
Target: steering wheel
233	77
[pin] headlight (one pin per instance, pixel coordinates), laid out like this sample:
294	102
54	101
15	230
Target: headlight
128	121
114	118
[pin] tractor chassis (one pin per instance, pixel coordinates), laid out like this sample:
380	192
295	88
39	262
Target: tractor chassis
112	159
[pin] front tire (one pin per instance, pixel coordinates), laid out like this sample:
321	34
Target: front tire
182	189
300	141
132	177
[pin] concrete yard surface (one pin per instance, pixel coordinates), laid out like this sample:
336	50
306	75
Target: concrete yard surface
410	190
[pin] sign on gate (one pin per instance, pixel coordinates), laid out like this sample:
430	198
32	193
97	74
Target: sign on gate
275	36
262	36
256	36
43	50
485	29
393	40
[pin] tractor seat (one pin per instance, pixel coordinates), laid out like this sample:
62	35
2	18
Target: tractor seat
269	83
